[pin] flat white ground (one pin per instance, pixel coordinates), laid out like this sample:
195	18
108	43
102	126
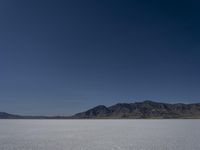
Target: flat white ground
99	134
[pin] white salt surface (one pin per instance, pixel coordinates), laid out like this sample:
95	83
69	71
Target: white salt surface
99	134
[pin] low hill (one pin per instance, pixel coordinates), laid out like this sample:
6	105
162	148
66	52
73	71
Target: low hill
4	115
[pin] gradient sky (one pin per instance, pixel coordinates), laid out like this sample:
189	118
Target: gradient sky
62	57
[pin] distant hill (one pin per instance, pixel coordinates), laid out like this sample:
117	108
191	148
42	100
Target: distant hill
4	115
142	110
137	110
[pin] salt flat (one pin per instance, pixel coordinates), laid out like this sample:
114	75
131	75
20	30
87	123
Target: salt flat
99	134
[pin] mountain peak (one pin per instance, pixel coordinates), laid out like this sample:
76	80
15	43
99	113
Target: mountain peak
148	101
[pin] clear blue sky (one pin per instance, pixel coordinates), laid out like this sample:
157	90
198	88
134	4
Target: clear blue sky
62	57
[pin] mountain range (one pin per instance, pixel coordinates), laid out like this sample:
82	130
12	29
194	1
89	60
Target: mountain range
138	110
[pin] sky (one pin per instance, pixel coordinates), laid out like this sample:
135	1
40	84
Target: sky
63	57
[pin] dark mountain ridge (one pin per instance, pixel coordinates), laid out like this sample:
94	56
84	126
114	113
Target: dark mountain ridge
138	110
146	109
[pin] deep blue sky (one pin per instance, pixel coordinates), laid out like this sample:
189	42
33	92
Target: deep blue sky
62	57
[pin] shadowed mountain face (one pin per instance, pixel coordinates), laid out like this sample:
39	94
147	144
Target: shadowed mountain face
146	109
